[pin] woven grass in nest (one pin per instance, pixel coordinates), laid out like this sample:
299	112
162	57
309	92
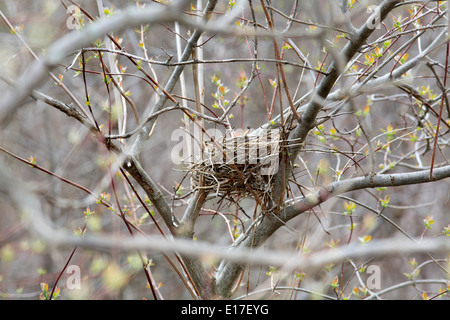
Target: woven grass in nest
235	167
237	179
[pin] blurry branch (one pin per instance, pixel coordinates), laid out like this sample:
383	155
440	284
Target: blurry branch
271	223
210	252
202	281
347	19
228	273
246	249
92	195
26	201
68	109
74	40
143	135
11	111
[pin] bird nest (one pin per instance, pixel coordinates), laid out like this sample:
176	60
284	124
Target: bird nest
238	165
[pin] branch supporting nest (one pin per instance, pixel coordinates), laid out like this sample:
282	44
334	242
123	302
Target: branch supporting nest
238	166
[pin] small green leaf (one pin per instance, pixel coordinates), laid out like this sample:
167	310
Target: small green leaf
88	212
385	201
335	282
428	221
349	207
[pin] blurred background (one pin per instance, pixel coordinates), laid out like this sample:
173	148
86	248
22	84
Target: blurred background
400	127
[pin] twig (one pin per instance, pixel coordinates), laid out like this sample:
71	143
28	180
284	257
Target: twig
443	99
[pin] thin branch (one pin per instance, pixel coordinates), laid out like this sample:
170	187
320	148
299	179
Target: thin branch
270	224
443	99
133	166
143	135
25	199
74	40
11	111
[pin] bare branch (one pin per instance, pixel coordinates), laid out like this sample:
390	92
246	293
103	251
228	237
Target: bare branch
76	39
270	223
29	204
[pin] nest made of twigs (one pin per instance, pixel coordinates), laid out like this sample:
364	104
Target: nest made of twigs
238	166
231	179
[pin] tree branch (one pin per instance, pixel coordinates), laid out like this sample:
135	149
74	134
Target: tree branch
228	273
155	195
143	136
72	41
25	199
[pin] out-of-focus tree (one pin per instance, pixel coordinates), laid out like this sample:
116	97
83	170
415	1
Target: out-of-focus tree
224	149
